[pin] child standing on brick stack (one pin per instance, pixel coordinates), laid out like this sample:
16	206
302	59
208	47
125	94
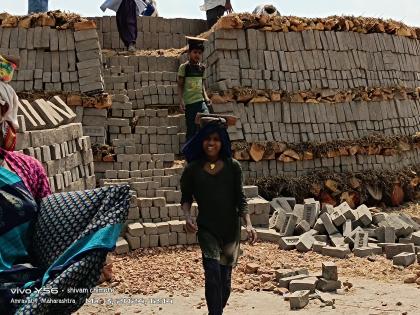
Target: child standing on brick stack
191	76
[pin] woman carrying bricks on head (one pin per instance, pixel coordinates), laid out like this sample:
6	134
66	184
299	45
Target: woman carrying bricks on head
191	89
214	179
127	12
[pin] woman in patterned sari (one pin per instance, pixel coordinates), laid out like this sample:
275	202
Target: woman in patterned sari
23	181
48	243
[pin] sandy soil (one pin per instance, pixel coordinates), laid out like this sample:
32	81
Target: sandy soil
366	297
173	279
179	269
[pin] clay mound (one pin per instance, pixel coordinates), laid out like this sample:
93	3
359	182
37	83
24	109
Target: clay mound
172	52
363	25
316	96
55	19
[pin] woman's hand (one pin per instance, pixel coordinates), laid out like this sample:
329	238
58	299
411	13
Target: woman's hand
191	226
252	234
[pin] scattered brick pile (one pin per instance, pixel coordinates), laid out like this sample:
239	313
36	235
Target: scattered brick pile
334	231
301	284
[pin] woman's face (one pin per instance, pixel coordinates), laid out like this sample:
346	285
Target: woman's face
212	145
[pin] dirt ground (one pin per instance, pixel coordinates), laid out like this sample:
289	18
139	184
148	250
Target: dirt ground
366	297
171	281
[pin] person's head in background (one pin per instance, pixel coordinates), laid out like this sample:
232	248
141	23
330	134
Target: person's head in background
195	49
266	9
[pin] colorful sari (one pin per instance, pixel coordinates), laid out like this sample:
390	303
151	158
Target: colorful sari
17	210
61	245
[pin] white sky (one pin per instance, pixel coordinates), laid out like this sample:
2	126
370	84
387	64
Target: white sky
407	11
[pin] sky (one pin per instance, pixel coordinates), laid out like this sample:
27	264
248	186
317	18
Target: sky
407	11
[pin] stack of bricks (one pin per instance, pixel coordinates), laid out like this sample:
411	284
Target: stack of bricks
134	211
154	32
94	122
48	59
338	231
64	152
132	131
258	208
236	132
160	95
160	220
120	119
156	78
148	80
339	164
323	61
45	113
89	63
149	235
132	160
302	122
155	133
308	60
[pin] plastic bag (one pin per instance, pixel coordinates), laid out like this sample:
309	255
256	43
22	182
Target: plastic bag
6	69
150	9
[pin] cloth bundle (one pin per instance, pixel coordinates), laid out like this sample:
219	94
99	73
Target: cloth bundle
67	243
6	69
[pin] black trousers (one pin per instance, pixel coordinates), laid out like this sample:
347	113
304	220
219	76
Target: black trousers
191	110
213	15
127	22
218	280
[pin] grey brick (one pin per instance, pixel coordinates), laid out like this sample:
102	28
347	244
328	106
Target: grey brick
85	35
309	40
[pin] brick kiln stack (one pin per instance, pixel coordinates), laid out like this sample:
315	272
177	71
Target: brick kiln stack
328	95
313	95
55	59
